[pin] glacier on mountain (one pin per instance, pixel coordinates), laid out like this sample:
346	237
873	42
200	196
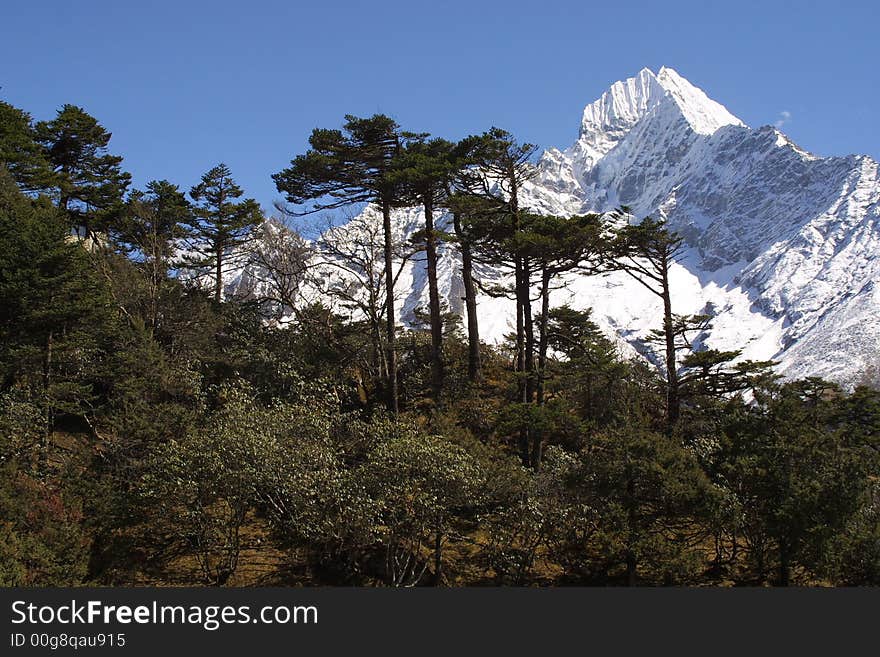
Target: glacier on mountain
783	246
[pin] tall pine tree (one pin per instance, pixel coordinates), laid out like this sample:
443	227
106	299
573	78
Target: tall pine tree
90	183
349	166
218	224
501	166
646	251
426	168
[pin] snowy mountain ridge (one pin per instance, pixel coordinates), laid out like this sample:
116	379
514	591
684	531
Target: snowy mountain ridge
783	246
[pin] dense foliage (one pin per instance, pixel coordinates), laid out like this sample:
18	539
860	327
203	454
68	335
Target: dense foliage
155	429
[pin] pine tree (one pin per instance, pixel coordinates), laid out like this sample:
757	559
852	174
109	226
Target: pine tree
585	366
708	376
648	494
218	224
51	304
798	478
558	245
500	167
465	245
90	182
152	222
463	198
646	251
23	156
346	167
548	247
425	169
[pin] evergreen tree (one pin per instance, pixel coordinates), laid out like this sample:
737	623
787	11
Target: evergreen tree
425	168
218	224
52	306
590	373
548	247
90	182
558	245
500	167
797	474
706	376
23	156
852	556
152	222
349	166
464	240
43	541
649	494
646	251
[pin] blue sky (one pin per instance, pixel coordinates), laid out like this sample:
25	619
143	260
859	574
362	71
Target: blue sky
184	85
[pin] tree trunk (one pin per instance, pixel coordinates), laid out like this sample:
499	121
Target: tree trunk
470	302
379	355
64	206
734	549
524	333
155	283
519	366
433	300
389	309
522	296
537	450
380	363
543	338
672	402
218	272
529	329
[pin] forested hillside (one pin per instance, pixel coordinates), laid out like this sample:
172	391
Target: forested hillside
156	430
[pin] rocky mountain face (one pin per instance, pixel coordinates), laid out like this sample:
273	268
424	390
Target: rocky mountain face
783	246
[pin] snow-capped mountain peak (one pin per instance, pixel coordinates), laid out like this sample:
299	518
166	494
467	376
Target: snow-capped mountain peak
704	115
607	121
783	243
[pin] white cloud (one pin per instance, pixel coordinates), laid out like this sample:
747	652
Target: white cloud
784	117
